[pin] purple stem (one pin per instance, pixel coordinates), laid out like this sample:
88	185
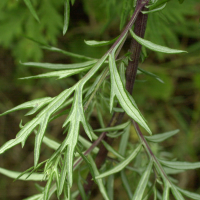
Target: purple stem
132	66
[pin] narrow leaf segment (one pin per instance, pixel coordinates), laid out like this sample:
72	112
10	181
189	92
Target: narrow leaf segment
99	181
154	47
60	66
143	182
60	74
32	10
66	15
74	119
125	100
161	137
121	165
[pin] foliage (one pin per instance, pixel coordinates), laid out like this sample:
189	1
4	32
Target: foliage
88	95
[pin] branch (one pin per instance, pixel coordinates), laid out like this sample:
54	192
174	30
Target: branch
149	151
135	49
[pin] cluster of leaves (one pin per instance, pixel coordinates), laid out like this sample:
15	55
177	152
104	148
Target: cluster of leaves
73	102
12	27
51	20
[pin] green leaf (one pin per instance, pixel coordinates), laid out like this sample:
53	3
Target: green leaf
35	197
172	171
176	193
125	12
47	187
32	10
125	99
99	181
155	10
121	165
55	49
126	184
28	171
99	43
41	119
157	4
14	175
113	128
88	163
180	165
155	193
77	112
74	119
41	196
110	186
143	182
124	140
122	72
87	144
66	16
166	191
64	112
114	134
60	66
60	74
189	194
161	137
154	47
74	194
80	187
99	115
93	88
109	148
34	169
51	143
151	74
36	104
94	69
68	159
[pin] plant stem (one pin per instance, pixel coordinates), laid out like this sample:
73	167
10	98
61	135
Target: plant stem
135	49
149	152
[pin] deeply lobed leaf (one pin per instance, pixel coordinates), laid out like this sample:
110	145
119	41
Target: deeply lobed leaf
124	98
36	104
41	119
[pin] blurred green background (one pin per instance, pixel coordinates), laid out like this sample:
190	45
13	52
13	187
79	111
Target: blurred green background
172	105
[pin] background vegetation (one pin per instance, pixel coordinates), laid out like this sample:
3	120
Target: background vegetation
173	105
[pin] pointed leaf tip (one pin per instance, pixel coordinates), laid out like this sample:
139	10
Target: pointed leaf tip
32	10
155	47
99	43
143	182
125	99
14	175
66	16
